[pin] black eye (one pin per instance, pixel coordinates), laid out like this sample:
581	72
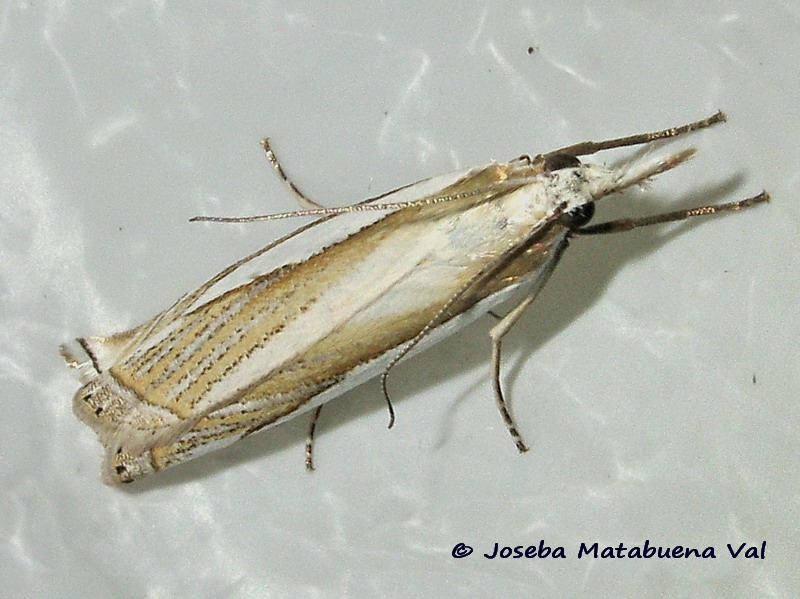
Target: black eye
577	217
559	161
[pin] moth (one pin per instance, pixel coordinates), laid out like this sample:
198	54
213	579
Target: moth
345	297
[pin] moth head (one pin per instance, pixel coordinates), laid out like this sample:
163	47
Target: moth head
581	214
586	183
557	162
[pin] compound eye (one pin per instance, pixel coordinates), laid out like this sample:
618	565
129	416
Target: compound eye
578	217
559	161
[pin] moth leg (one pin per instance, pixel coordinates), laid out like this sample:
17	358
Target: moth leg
305	202
310	439
496	334
590	147
626	224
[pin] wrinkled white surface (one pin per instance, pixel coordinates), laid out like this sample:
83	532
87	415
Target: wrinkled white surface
656	379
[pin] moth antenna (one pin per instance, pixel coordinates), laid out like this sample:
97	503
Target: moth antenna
335	210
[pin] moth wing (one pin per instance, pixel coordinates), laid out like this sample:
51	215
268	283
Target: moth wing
94	355
299	245
259	408
279	398
221	424
314	237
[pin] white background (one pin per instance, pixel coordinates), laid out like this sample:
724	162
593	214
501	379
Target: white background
656	379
